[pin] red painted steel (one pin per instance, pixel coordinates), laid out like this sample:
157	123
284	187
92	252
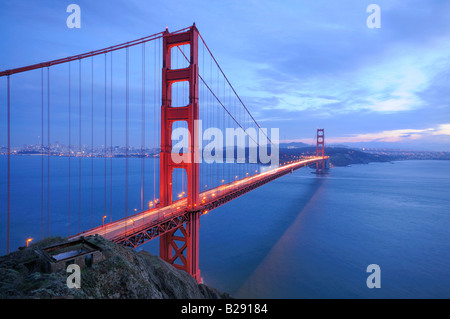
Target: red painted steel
320	166
169	250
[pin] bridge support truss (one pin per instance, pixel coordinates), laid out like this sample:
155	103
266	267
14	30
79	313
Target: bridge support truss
180	247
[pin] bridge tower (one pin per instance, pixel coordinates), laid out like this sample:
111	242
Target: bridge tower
185	257
320	166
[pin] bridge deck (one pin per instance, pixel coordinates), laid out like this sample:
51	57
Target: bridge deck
139	228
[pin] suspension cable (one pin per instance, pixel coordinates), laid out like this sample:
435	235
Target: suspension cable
231	86
218	100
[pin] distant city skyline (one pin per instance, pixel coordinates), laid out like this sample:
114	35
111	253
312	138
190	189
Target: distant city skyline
297	65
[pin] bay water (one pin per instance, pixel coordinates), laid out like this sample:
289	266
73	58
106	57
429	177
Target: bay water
300	236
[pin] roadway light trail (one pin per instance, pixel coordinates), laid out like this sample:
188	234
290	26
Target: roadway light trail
146	219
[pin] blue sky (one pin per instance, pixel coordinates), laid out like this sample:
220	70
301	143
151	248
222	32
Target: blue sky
298	65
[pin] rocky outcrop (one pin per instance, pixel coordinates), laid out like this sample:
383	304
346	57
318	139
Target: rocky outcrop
123	273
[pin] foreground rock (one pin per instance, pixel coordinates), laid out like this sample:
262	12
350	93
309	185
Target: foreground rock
122	273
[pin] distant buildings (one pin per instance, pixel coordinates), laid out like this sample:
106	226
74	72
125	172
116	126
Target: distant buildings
409	155
58	149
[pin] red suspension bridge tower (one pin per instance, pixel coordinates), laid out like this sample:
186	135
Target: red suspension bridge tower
320	151
188	236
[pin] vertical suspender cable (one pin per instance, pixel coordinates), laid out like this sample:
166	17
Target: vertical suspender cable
70	150
48	151
143	130
210	118
92	142
79	147
126	133
154	127
111	140
233	174
247	156
217	125
223	130
160	99
241	120
105	148
8	196
42	154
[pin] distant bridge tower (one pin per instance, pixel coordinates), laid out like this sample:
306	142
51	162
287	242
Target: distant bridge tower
320	166
173	246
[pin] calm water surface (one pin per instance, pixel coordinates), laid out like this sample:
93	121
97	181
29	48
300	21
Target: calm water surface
307	237
300	236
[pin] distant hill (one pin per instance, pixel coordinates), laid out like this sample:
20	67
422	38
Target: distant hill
339	156
346	156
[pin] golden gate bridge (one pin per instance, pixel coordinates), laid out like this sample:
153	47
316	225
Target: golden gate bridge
135	92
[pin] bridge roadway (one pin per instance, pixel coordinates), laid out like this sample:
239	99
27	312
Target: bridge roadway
139	228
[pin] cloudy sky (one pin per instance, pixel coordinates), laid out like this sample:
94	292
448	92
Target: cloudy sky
298	65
